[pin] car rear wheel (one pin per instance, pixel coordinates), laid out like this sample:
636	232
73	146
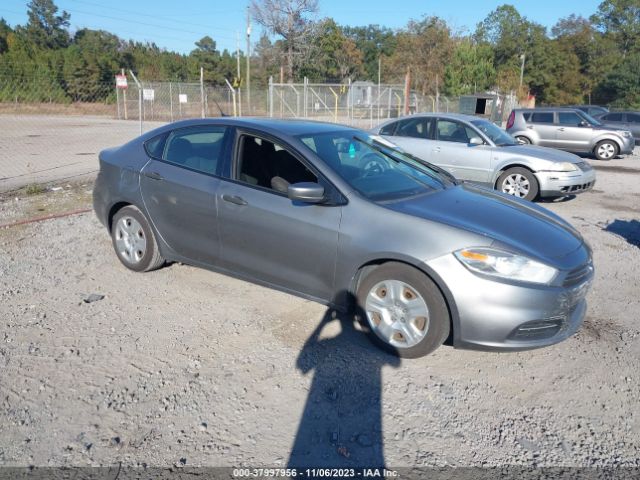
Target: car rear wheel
518	182
134	242
606	150
403	310
523	140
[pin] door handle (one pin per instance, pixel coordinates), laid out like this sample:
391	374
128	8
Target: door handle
561	129
153	175
234	199
436	149
530	127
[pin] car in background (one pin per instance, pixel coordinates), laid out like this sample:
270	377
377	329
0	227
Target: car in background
569	129
592	110
296	205
625	120
476	150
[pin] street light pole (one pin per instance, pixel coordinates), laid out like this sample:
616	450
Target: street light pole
521	70
248	61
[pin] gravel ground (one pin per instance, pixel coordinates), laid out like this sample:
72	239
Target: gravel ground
183	366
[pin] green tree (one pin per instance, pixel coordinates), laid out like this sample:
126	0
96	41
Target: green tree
621	87
5	30
620	19
470	68
45	28
374	42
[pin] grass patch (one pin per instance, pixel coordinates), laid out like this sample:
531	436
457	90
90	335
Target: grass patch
34	189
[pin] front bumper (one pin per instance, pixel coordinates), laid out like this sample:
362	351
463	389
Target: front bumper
555	184
493	315
628	144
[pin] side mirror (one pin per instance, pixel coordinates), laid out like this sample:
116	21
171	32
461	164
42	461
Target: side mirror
583	123
476	141
307	192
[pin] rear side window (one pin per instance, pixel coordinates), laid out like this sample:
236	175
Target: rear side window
569	118
541	117
450	131
415	128
155	146
198	148
389	129
613	117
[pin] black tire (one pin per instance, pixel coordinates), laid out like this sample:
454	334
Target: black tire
151	259
533	189
437	328
601	148
523	140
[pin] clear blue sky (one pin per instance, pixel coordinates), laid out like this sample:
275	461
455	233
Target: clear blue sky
176	25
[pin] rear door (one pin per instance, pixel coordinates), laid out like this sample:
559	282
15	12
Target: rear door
453	151
543	124
415	135
571	135
179	190
267	236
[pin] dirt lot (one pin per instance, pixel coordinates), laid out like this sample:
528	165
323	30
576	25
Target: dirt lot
186	367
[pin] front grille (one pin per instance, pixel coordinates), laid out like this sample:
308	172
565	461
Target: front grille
577	275
538	329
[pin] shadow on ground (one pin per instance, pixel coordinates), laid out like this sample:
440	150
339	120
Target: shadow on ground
627	229
341	425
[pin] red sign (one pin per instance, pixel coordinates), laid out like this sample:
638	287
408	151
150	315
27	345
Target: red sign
121	81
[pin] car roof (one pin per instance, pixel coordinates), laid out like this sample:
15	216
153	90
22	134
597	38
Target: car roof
546	109
452	116
279	126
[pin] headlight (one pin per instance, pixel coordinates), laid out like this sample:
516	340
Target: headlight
498	263
626	134
562	167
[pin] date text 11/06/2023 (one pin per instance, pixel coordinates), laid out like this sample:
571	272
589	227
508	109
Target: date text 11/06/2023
314	473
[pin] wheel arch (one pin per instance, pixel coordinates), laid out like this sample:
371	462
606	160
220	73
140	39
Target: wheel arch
115	208
507	166
599	140
454	318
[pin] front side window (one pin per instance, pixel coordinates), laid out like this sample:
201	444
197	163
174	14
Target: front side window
495	133
450	131
389	129
633	118
571	119
268	165
613	117
199	148
379	173
542	117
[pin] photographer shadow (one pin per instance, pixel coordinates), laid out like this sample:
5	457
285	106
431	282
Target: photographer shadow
341	425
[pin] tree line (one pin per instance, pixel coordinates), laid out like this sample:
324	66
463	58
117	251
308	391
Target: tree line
578	60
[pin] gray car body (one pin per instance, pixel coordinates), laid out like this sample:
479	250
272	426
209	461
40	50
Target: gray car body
483	164
629	121
321	252
580	139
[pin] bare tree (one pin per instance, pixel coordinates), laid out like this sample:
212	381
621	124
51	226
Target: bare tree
287	18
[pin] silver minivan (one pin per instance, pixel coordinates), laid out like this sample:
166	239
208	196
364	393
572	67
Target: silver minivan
569	129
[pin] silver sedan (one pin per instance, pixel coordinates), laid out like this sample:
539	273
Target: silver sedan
476	150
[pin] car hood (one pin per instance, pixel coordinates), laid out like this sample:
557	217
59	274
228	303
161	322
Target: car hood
607	128
542	153
516	224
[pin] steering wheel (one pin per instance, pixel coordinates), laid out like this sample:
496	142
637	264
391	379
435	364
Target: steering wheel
372	164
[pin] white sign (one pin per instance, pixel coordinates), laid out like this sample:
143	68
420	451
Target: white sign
182	98
148	94
121	81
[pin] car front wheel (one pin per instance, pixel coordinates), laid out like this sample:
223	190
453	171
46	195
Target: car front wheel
403	310
133	240
518	182
606	150
523	140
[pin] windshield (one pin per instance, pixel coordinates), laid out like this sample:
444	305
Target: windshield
374	167
495	133
588	118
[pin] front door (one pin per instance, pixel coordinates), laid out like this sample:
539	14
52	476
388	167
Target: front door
453	151
572	133
179	189
267	236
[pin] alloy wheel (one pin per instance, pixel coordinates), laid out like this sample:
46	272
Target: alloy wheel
130	239
517	185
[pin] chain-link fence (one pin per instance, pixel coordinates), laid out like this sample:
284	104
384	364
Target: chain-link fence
55	128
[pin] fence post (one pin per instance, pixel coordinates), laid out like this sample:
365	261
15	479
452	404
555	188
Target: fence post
233	95
202	90
271	96
305	96
135	79
171	101
118	101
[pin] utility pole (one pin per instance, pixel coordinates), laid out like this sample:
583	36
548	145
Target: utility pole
248	62
239	81
379	77
521	70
